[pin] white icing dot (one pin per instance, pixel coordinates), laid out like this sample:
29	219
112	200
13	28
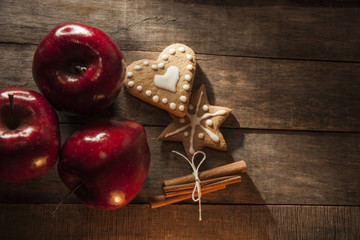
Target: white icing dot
155	98
154	66
172	51
164	100
161	65
205	108
188	56
186	134
182	49
183	98
201	135
172	105
189	67
148	93
131	83
191	107
186	87
181	120
129	74
137	67
209	122
139	88
181	107
187	77
165	57
146	63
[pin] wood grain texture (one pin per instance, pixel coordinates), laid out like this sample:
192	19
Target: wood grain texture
284	167
282	66
263	93
282	31
180	222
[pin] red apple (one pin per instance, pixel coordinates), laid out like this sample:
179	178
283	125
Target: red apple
109	159
29	135
78	68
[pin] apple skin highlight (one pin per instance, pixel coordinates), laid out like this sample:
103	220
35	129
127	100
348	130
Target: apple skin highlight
79	68
29	135
109	159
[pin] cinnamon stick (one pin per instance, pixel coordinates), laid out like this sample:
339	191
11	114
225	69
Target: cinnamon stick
160	201
225	182
232	180
225	170
203	183
189	191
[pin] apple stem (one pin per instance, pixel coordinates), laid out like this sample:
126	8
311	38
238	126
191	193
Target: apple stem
80	69
64	198
11	100
11	124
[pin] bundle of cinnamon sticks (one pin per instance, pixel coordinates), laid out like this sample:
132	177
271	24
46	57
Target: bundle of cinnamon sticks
181	188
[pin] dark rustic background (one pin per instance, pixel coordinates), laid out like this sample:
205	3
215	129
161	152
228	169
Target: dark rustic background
290	70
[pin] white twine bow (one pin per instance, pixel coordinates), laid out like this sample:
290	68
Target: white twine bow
197	187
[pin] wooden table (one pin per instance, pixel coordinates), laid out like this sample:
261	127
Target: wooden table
291	74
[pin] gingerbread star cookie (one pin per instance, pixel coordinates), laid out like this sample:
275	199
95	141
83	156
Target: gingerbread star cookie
165	83
199	128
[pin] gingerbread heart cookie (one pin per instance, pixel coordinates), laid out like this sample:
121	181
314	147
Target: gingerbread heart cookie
165	83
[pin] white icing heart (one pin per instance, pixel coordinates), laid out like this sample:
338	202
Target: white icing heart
169	80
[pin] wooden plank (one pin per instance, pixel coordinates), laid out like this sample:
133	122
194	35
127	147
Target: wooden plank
263	93
263	31
180	222
284	167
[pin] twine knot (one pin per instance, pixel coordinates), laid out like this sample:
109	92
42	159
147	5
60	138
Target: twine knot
197	187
